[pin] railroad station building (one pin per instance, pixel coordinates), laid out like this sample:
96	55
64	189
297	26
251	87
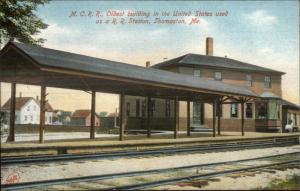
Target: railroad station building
261	115
190	92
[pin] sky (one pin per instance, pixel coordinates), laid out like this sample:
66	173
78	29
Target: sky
264	33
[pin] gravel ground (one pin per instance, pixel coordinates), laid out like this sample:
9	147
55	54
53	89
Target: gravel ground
96	167
258	181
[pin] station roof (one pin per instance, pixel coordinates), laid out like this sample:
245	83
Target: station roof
90	73
215	62
290	105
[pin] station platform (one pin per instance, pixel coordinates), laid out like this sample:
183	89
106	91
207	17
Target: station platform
131	142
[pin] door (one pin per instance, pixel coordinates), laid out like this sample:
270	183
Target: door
198	114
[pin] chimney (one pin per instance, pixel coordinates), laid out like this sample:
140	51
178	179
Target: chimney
209	46
148	64
20	94
37	98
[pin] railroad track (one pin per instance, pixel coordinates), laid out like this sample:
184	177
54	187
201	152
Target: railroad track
176	150
194	172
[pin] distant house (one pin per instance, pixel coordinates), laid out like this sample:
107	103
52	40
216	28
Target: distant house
110	120
82	117
28	111
61	117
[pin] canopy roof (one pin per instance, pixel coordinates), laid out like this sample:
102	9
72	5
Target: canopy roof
289	105
36	65
269	95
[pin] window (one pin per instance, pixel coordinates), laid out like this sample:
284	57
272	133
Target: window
28	108
137	108
249	110
218	76
289	120
168	108
128	109
197	73
295	119
144	108
248	80
25	118
219	110
152	107
198	113
262	110
273	109
267	81
234	110
31	118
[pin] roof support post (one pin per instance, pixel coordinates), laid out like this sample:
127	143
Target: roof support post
176	117
214	118
42	114
219	105
122	116
188	118
11	135
149	116
242	114
93	111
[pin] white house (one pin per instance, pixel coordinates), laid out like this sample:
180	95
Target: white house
28	111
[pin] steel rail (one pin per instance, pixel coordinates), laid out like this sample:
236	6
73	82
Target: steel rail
277	140
230	143
34	184
71	157
189	178
105	155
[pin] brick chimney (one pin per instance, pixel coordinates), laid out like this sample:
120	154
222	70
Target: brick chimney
148	64
209	46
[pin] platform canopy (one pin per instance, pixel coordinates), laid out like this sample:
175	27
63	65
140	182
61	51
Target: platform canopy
35	65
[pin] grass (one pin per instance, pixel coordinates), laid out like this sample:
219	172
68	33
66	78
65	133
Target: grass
142	179
292	183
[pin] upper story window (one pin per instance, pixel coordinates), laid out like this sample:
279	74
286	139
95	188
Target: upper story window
267	81
248	80
197	73
218	76
28	108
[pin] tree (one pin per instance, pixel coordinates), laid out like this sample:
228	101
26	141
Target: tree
103	114
18	21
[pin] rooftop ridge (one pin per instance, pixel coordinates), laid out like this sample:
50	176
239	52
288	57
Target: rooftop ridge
216	63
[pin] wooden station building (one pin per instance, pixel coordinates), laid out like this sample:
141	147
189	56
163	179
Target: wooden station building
34	65
261	115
